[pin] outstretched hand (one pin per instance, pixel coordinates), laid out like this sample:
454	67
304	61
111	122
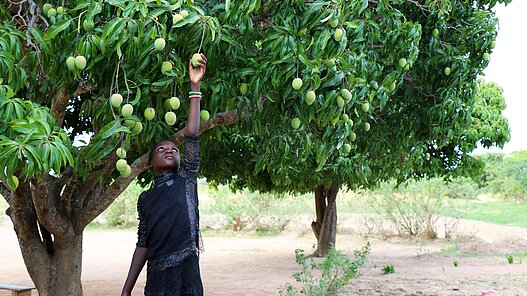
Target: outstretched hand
196	74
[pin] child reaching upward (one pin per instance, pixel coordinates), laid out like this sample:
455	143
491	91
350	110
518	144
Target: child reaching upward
168	232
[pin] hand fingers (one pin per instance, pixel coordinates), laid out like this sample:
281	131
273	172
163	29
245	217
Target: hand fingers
203	60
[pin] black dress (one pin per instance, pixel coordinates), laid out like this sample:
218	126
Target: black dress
169	228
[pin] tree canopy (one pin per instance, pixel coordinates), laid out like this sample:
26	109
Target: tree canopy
417	108
396	91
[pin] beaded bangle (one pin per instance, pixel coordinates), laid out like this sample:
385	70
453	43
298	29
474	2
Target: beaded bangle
194	97
194	93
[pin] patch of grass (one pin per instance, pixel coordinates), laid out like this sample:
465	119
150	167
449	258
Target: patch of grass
510	259
450	250
388	268
219	233
268	233
519	256
454	250
498	212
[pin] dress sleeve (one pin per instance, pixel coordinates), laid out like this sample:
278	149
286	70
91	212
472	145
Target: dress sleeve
141	228
191	159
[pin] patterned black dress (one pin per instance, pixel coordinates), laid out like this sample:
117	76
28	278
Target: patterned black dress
169	228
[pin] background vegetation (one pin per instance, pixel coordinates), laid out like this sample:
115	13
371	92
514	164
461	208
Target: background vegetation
498	195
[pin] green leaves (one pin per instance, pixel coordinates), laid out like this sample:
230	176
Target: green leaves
102	144
112	32
39	39
10	55
412	109
191	19
55	29
36	150
29	139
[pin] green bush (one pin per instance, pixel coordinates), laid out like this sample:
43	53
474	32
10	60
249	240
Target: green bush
413	210
510	259
388	268
335	271
504	175
123	211
263	213
461	188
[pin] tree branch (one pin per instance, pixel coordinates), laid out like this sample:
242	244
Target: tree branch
99	202
71	189
261	101
61	100
424	9
83	88
59	104
219	119
47	211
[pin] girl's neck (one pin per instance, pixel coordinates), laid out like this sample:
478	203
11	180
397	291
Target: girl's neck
162	178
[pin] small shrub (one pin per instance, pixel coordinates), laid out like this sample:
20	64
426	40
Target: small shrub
335	271
388	268
247	210
414	210
123	211
510	259
461	188
455	263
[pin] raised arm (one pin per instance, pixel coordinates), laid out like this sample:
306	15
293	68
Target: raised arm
195	75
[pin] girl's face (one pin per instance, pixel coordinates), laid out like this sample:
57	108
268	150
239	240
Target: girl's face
165	158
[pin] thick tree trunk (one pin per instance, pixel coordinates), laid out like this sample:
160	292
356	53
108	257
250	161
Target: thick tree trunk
60	273
54	262
325	227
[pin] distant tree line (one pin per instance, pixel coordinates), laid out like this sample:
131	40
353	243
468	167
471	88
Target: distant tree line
504	175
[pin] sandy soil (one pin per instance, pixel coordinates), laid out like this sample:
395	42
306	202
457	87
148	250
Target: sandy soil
259	266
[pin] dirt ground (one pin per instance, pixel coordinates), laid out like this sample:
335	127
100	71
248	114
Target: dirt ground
260	266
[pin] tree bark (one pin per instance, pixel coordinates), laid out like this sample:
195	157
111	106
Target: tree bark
61	270
325	227
54	262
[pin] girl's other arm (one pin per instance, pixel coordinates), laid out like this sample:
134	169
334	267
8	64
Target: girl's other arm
138	262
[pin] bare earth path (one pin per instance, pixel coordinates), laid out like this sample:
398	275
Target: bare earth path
259	266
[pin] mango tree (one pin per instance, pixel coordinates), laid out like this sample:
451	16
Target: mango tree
352	93
375	97
85	89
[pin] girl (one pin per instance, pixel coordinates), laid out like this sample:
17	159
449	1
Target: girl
168	232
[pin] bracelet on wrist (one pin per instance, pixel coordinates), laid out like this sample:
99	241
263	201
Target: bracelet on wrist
194	93
194	97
